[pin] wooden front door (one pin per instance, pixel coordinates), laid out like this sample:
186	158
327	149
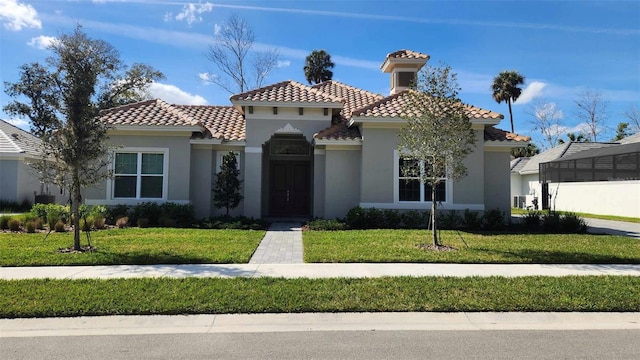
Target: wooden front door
289	193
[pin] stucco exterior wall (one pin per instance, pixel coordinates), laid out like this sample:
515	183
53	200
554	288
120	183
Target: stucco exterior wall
342	187
468	190
496	181
319	183
377	165
252	184
621	198
178	171
262	124
9	180
202	165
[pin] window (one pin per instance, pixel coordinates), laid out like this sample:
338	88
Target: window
406	79
139	175
409	186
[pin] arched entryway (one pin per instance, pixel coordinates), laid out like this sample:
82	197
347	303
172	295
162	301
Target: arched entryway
288	187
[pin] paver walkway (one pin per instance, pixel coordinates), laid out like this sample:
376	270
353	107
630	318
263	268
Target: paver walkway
282	244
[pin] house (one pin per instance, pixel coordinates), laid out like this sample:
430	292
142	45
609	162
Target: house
303	151
18	181
595	178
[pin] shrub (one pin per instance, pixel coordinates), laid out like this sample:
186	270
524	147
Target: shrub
51	213
573	224
143	222
148	210
59	226
180	214
374	219
356	218
14	224
493	219
98	211
166	221
30	226
471	220
122	222
531	220
227	222
14	206
99	223
413	219
4	222
39	224
116	212
551	222
85	223
392	219
449	220
326	225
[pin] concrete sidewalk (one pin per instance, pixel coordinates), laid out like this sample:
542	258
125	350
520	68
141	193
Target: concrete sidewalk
354	270
243	323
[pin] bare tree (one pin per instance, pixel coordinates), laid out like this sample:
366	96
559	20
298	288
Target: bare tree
592	111
241	68
547	120
633	114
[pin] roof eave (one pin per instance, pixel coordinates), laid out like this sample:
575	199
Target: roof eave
333	105
343	142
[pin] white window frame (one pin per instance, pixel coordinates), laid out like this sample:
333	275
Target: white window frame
139	151
396	185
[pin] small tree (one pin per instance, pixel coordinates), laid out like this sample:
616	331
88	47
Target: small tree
528	151
573	137
438	134
63	101
622	131
226	189
317	67
633	115
546	118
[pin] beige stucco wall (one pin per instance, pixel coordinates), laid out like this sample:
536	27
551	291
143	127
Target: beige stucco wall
469	190
262	124
319	182
253	184
497	180
179	165
19	181
9	180
202	165
377	164
342	182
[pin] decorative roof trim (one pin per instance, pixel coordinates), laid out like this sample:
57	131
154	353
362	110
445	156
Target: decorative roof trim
288	129
345	142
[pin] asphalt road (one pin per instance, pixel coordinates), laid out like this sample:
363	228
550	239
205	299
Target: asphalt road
518	344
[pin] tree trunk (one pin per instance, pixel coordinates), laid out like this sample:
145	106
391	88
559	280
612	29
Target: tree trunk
433	215
510	115
75	209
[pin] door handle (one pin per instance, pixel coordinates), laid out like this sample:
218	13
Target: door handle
287	195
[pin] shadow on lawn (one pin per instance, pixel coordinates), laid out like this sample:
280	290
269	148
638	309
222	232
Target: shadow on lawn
108	258
556	257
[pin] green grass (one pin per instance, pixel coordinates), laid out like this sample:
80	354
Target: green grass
401	246
47	298
516	211
132	246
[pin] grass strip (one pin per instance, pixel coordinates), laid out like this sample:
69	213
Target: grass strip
517	211
402	246
61	298
132	246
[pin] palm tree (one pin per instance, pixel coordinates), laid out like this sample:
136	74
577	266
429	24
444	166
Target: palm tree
505	88
574	138
317	65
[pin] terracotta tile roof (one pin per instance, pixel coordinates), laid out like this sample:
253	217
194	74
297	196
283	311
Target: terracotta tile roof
287	91
339	131
14	140
150	112
354	98
407	54
222	122
494	134
394	106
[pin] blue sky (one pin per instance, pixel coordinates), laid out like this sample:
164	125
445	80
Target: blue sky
561	47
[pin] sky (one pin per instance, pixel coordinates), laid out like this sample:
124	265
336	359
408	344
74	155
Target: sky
563	48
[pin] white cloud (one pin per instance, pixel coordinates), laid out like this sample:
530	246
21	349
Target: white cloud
529	93
283	64
16	15
174	95
42	42
191	12
21	123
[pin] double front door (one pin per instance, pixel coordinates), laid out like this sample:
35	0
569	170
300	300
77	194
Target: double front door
289	188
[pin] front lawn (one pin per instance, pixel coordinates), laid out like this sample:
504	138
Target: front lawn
132	246
48	298
517	211
402	246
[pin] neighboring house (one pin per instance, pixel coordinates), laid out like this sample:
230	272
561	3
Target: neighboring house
303	151
596	178
18	181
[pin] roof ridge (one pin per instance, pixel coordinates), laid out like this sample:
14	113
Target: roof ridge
173	109
363	109
310	88
129	105
338	83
